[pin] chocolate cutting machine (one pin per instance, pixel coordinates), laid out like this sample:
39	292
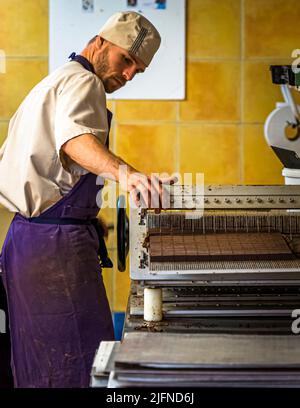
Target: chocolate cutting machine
235	264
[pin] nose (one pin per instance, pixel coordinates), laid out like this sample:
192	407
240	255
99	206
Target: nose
129	73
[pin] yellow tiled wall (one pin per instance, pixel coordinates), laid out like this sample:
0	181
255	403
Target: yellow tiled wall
217	130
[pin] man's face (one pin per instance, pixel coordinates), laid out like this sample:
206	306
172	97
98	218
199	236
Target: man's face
115	66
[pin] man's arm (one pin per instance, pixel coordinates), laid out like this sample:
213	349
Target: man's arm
93	156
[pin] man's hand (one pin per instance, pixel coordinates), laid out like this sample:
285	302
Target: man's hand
146	191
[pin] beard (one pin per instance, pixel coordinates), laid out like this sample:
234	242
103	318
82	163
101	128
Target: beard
110	82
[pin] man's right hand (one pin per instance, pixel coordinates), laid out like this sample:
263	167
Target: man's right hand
145	191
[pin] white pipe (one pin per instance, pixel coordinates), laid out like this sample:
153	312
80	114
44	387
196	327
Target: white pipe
153	304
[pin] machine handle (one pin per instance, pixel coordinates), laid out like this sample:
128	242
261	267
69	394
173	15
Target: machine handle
122	233
288	97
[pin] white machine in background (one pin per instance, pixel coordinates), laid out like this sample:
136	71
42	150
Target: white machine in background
282	127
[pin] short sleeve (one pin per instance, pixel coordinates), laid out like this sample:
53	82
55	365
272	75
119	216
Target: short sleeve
80	109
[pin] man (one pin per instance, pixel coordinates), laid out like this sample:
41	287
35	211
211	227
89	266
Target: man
56	146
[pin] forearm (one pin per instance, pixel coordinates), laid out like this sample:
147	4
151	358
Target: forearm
92	155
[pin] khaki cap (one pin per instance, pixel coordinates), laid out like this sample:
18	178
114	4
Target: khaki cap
134	33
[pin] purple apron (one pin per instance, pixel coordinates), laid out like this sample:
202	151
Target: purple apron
58	309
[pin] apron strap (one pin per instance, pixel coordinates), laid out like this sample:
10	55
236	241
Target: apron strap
105	261
83	61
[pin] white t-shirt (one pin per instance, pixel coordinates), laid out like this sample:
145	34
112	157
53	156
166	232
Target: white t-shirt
34	173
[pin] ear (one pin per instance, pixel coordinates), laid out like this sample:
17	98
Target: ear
100	41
